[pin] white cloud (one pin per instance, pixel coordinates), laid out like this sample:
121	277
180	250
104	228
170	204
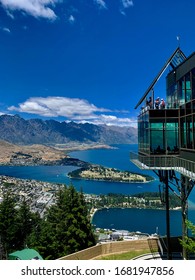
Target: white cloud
114	120
46	8
35	8
71	19
125	5
75	109
5	29
57	106
101	4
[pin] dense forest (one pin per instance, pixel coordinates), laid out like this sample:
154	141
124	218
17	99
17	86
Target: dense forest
151	200
65	228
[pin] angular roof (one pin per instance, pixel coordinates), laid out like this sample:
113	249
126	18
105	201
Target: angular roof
175	59
25	254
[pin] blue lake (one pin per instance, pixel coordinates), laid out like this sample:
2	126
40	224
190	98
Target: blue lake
130	219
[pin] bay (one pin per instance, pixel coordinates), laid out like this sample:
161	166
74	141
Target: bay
130	219
144	220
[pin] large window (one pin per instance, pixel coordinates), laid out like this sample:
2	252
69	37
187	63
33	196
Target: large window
193	83
158	135
189	132
181	91
172	140
187	127
164	137
157	143
172	97
193	131
188	89
143	133
183	132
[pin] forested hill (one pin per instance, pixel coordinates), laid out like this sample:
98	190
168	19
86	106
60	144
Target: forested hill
36	131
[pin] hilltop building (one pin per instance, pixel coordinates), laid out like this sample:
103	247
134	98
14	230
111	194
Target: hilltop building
166	135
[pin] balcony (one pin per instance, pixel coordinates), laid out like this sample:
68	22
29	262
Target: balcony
162	162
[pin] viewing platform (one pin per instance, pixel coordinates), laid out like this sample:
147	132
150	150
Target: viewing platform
164	162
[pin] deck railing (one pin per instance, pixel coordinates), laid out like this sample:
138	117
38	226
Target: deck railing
162	162
152	162
185	167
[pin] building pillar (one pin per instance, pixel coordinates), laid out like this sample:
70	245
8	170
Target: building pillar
166	181
184	212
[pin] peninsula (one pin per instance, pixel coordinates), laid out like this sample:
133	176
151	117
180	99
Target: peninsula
98	172
34	155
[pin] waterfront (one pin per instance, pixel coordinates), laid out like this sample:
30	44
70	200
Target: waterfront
132	219
129	219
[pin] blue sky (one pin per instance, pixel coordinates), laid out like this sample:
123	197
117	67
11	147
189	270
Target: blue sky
87	60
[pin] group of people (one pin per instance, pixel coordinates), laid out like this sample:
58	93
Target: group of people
159	103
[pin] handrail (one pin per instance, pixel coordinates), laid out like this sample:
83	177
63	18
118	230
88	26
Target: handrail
164	162
161	247
153	252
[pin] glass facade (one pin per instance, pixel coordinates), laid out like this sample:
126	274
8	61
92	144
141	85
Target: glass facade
167	136
172	96
180	92
187	126
158	135
143	133
186	95
171	130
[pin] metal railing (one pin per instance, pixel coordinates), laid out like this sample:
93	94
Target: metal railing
162	162
152	162
185	167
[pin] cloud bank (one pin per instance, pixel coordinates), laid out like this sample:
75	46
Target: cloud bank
73	109
46	8
35	8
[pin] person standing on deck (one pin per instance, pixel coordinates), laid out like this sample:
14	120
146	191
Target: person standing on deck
157	103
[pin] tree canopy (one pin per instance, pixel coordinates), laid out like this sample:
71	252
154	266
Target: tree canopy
64	229
15	224
189	242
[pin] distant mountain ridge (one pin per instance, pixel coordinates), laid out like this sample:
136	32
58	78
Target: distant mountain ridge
17	130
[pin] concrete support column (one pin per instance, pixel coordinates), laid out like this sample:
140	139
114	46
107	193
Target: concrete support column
184	211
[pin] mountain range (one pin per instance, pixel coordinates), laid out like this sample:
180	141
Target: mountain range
17	130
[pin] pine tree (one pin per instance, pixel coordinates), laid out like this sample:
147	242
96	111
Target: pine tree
66	228
7	223
25	221
15	224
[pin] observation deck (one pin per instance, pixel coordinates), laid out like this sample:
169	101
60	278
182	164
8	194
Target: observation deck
164	162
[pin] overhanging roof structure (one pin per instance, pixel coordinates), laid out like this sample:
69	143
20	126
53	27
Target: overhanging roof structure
175	59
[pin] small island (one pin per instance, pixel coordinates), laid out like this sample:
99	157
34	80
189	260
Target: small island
101	173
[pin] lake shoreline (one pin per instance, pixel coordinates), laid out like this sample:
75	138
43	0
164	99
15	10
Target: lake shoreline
111	181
